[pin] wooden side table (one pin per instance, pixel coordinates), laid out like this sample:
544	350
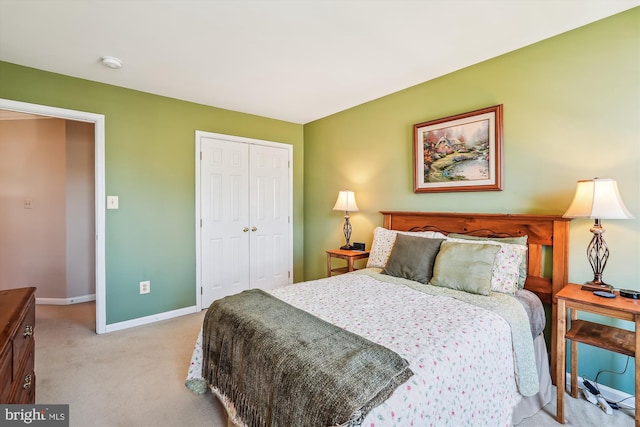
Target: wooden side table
572	298
349	256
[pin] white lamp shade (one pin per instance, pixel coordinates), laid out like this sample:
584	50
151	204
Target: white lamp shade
597	198
346	202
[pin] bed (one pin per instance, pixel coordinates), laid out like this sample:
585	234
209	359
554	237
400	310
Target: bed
437	350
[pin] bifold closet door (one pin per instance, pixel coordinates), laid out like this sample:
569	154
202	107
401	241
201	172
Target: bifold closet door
244	203
224	205
269	216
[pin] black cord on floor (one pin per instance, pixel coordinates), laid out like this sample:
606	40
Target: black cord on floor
613	404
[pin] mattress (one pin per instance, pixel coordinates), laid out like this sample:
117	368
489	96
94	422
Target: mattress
460	347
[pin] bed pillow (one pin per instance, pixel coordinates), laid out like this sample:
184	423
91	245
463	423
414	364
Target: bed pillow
507	264
465	266
383	240
522	270
412	258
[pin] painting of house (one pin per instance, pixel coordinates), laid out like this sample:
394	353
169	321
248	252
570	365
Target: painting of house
448	145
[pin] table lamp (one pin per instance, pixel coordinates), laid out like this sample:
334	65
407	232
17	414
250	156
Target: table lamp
346	202
597	199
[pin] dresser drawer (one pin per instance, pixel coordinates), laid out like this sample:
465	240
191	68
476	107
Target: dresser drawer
24	337
6	373
17	346
23	389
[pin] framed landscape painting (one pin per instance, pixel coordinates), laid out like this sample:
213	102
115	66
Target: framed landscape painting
459	153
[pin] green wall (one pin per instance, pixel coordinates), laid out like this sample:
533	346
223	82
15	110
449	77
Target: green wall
150	165
571	111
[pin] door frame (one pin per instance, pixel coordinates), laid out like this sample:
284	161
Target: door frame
252	141
99	170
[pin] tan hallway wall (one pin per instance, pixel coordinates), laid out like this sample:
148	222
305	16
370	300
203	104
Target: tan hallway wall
36	246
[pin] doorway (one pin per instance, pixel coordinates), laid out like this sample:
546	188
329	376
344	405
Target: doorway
98	121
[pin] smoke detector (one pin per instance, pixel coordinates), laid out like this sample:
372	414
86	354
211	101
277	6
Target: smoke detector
111	62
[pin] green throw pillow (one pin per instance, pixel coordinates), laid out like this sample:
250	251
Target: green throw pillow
412	258
522	270
465	267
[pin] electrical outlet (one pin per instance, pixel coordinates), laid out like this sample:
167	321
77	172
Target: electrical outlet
28	204
145	287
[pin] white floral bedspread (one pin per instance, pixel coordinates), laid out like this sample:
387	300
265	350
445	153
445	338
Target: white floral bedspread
461	354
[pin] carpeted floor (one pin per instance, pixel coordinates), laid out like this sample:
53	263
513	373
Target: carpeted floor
135	377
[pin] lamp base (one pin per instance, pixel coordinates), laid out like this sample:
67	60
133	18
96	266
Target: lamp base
596	286
346	248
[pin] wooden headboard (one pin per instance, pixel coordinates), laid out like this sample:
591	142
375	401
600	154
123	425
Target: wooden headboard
542	230
551	231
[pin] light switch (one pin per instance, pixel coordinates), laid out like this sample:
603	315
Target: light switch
112	202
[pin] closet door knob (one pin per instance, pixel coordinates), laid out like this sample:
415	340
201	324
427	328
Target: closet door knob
254	229
245	229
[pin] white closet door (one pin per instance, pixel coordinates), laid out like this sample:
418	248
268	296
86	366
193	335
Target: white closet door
224	206
269	216
244	199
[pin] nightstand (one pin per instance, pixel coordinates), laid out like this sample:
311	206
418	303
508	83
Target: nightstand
572	298
349	256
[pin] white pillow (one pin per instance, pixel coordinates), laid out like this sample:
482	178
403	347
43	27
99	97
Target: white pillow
383	240
507	264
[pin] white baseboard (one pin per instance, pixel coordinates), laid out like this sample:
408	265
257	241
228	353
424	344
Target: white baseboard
66	301
608	393
150	319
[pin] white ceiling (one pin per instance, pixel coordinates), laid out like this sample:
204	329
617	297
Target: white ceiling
294	60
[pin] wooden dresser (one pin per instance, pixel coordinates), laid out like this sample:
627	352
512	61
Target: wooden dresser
17	346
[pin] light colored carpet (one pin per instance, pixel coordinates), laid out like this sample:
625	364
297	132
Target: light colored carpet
135	377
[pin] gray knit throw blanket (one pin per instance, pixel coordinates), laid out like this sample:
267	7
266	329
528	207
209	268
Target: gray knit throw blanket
283	367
